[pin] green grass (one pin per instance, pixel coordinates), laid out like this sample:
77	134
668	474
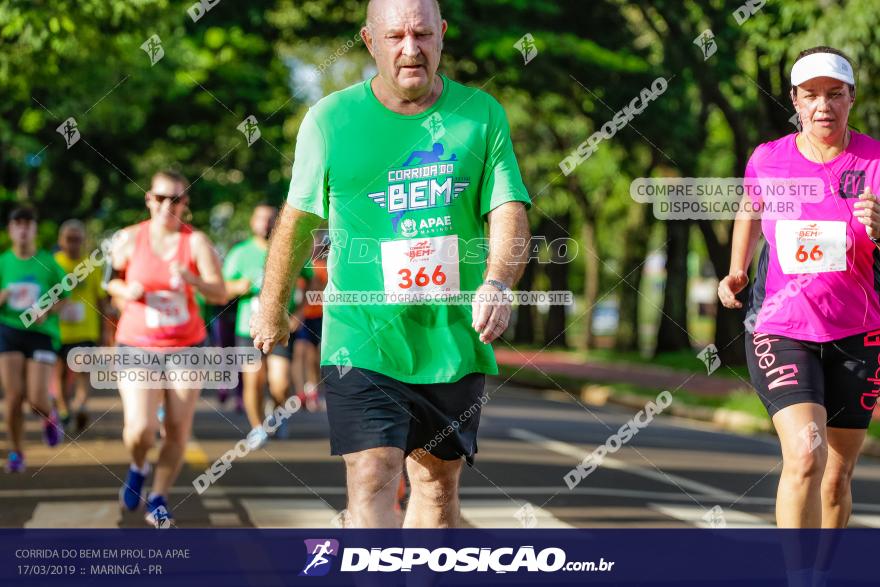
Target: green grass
685	360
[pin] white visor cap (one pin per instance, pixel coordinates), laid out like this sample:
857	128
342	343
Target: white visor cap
822	65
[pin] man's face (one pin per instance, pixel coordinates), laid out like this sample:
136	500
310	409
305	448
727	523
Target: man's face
262	221
405	37
70	241
23	232
824	104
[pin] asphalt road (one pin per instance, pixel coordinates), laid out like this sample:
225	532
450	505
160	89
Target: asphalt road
673	473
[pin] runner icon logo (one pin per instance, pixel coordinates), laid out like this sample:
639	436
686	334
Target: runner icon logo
710	358
69	131
153	48
527	47
161	518
714	518
320	554
706	43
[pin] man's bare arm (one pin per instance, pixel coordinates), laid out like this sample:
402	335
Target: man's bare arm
289	247
509	237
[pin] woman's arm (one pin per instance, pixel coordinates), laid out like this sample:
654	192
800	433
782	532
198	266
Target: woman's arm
209	281
120	253
746	232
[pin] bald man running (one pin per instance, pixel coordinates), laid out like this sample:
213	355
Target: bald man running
407	167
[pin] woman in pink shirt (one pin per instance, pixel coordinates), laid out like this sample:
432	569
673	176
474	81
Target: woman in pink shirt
813	325
158	266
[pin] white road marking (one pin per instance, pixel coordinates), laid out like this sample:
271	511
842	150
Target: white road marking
289	513
217	503
564	448
871	521
698	516
489	513
75	514
226	519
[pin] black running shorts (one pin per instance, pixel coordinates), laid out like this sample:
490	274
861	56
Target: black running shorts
370	410
842	375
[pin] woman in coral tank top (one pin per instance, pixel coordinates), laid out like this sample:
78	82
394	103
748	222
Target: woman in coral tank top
158	267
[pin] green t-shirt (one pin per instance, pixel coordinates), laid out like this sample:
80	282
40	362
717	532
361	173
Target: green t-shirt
406	198
27	280
246	261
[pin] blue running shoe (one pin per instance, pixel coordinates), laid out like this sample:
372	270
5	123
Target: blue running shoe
15	462
158	514
130	492
52	430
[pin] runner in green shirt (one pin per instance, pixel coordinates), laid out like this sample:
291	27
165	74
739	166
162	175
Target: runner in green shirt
407	168
243	272
32	290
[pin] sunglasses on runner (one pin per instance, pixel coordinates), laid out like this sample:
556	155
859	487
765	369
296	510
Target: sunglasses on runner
160	198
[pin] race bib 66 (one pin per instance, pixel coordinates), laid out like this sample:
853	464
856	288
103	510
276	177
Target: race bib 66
805	246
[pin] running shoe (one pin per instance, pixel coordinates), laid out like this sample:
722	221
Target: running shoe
158	514
257	438
82	421
15	462
130	492
312	404
52	431
65	418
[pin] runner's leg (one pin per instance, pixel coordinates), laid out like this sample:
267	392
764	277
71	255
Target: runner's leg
433	501
83	387
844	446
12	380
37	382
278	369
298	370
252	391
59	374
372	477
139	406
798	499
180	407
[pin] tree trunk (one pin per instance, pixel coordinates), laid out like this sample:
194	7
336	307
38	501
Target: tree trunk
635	250
728	323
591	277
672	335
557	272
524	330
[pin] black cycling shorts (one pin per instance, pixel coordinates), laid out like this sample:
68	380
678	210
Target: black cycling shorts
842	375
33	345
369	410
